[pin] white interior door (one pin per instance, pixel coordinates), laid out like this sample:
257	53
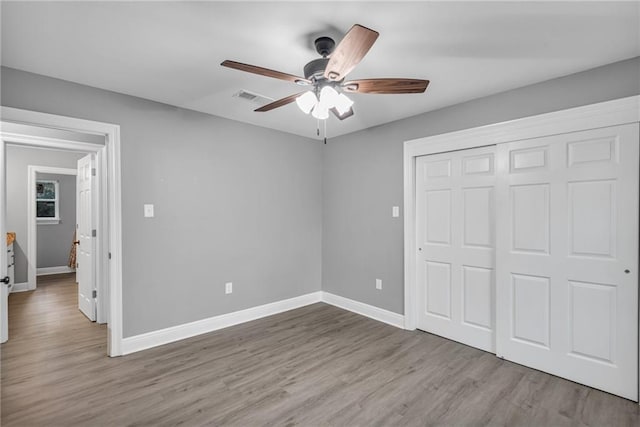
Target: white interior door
455	253
86	248
567	256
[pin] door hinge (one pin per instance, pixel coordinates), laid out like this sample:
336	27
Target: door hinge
93	233
93	171
94	294
109	255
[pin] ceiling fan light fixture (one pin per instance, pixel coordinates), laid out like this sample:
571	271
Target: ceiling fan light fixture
325	77
328	96
306	102
321	111
343	103
331	98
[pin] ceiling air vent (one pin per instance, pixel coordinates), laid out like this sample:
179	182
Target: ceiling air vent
252	97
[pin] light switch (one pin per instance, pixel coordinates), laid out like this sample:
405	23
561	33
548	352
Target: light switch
148	211
395	211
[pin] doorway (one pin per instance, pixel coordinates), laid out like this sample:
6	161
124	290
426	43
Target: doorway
57	178
59	214
59	134
55	220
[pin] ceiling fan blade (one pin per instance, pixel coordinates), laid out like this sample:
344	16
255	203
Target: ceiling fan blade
265	72
349	52
385	86
279	103
343	116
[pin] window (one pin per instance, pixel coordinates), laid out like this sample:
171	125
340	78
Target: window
47	202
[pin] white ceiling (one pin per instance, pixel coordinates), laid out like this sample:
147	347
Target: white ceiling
171	51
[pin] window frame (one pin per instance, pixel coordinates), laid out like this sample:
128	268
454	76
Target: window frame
56	200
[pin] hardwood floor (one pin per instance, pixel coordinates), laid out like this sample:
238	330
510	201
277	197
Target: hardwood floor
315	366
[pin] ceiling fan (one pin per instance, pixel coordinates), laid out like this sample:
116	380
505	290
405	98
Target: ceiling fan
325	77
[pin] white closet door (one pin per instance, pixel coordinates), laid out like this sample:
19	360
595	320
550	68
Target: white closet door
455	226
567	256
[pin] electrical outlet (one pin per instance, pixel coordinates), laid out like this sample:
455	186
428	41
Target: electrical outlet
378	284
228	288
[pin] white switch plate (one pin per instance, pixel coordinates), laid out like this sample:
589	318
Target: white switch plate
378	283
395	211
228	288
148	211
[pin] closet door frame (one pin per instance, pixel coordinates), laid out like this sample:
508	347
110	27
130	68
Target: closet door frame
603	114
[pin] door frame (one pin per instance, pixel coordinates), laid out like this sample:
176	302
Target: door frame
602	114
32	222
109	249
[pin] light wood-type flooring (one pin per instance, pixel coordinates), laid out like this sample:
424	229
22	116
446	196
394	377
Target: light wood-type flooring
314	366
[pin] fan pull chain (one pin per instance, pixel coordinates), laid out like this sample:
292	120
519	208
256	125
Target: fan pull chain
325	132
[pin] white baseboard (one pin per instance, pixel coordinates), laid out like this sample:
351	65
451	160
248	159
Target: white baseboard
376	313
23	287
187	330
43	271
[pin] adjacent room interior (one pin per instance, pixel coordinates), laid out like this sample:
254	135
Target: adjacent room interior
315	213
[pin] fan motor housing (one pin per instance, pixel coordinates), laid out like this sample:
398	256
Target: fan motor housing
324	46
315	68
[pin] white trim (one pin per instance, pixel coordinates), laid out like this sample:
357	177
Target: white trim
47	142
188	330
32	221
22	287
410	291
603	114
376	313
56	218
108	271
61	269
72	124
48	221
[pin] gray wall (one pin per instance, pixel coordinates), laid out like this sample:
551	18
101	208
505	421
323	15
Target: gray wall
18	158
54	240
363	177
277	214
233	202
